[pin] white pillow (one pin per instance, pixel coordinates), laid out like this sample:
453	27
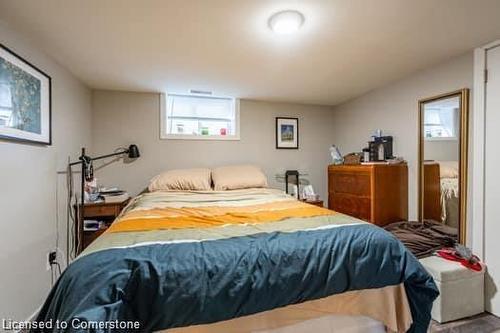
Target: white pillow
238	177
182	180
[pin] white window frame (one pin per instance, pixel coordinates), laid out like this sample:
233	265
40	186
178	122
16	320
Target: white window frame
164	123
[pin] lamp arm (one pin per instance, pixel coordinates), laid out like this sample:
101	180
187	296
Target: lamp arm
109	155
101	157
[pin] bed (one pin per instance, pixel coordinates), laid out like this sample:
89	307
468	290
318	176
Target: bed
252	260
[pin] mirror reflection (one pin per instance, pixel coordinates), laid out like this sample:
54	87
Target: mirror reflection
441	154
441	146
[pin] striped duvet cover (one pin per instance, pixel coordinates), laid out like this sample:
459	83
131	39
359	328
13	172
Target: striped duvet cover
174	259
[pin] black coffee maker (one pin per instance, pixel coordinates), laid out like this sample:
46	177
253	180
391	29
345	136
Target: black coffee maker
380	148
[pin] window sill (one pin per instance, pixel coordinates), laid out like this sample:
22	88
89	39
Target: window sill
200	137
452	138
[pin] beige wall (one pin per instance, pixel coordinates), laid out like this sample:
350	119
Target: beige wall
394	109
30	183
121	118
441	150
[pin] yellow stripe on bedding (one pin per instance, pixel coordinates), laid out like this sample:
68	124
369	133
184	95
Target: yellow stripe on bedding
210	210
198	218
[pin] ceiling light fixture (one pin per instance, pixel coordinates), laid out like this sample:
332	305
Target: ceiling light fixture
286	22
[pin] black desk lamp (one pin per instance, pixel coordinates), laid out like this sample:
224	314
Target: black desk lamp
88	170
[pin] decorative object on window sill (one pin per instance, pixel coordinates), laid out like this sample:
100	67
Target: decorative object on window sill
25	100
287	133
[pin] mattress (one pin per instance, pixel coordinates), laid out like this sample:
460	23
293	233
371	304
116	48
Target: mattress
185	259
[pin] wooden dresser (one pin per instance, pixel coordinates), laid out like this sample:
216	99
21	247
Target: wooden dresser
375	193
432	191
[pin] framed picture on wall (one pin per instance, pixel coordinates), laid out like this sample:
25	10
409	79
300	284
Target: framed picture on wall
25	100
287	133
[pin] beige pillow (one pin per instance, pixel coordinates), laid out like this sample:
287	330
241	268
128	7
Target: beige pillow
237	177
182	180
448	169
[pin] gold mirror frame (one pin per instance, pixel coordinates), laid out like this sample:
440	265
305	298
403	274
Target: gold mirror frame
463	94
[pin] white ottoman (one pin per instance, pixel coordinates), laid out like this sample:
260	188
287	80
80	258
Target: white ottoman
461	289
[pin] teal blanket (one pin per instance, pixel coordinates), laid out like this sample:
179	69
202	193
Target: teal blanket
175	284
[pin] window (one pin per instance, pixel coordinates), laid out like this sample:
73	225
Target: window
199	117
441	120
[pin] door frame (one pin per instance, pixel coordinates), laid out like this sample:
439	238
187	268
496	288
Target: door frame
478	147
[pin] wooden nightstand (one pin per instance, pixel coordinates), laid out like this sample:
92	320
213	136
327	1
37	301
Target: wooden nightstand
318	203
101	211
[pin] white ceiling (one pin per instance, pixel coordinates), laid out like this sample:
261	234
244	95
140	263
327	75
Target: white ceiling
345	48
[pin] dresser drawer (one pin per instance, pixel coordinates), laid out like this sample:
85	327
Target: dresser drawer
99	211
351	205
350	183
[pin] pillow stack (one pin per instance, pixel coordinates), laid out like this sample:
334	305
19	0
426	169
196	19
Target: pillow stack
223	178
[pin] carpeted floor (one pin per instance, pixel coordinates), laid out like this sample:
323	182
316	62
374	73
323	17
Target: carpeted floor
483	323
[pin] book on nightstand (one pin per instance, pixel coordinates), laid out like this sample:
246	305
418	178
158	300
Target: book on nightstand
115	196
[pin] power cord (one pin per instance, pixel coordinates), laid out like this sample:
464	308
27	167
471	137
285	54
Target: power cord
53	262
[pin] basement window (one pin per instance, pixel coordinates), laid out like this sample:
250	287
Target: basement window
193	117
441	124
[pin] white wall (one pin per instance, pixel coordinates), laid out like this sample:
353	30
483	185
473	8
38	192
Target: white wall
121	118
394	109
29	182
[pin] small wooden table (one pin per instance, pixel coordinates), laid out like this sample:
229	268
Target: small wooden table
101	211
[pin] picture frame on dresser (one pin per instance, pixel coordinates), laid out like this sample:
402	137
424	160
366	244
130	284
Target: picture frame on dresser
287	133
25	100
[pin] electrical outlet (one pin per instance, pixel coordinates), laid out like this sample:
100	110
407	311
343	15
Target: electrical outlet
51	258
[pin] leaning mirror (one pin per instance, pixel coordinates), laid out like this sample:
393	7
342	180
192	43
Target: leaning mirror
443	128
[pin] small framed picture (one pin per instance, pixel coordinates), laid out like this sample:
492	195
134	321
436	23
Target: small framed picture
287	133
25	100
